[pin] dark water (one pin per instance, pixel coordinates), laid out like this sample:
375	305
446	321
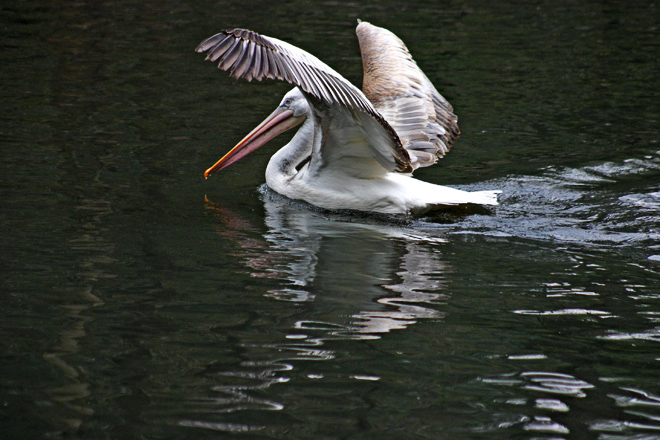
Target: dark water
140	301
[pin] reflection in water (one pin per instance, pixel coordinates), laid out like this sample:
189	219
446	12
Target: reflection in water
413	289
545	401
73	131
551	395
312	253
361	278
94	251
549	391
311	250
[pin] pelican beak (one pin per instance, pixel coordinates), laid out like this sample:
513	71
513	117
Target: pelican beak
281	120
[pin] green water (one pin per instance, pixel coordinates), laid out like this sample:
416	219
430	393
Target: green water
140	301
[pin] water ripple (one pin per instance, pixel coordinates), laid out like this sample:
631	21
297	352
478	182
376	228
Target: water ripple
647	399
608	203
555	383
639	405
553	405
545	424
600	313
559	386
217	426
650	335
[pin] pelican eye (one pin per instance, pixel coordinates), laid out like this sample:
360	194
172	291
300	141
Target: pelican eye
287	102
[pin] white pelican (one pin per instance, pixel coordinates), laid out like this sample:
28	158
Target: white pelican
355	150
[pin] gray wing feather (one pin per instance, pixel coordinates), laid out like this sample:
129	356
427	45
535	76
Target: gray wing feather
249	55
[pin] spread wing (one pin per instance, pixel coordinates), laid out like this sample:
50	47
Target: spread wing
247	54
399	90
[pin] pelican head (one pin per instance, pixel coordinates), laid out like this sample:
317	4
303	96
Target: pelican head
295	101
292	111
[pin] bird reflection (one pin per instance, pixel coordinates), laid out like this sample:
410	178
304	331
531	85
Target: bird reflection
365	276
358	278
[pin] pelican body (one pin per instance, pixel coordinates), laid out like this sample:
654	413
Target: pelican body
354	149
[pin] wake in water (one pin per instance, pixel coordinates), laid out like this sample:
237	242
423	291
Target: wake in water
606	204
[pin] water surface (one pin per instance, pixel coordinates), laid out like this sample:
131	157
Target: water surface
140	301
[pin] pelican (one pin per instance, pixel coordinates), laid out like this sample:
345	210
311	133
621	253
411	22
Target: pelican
354	150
